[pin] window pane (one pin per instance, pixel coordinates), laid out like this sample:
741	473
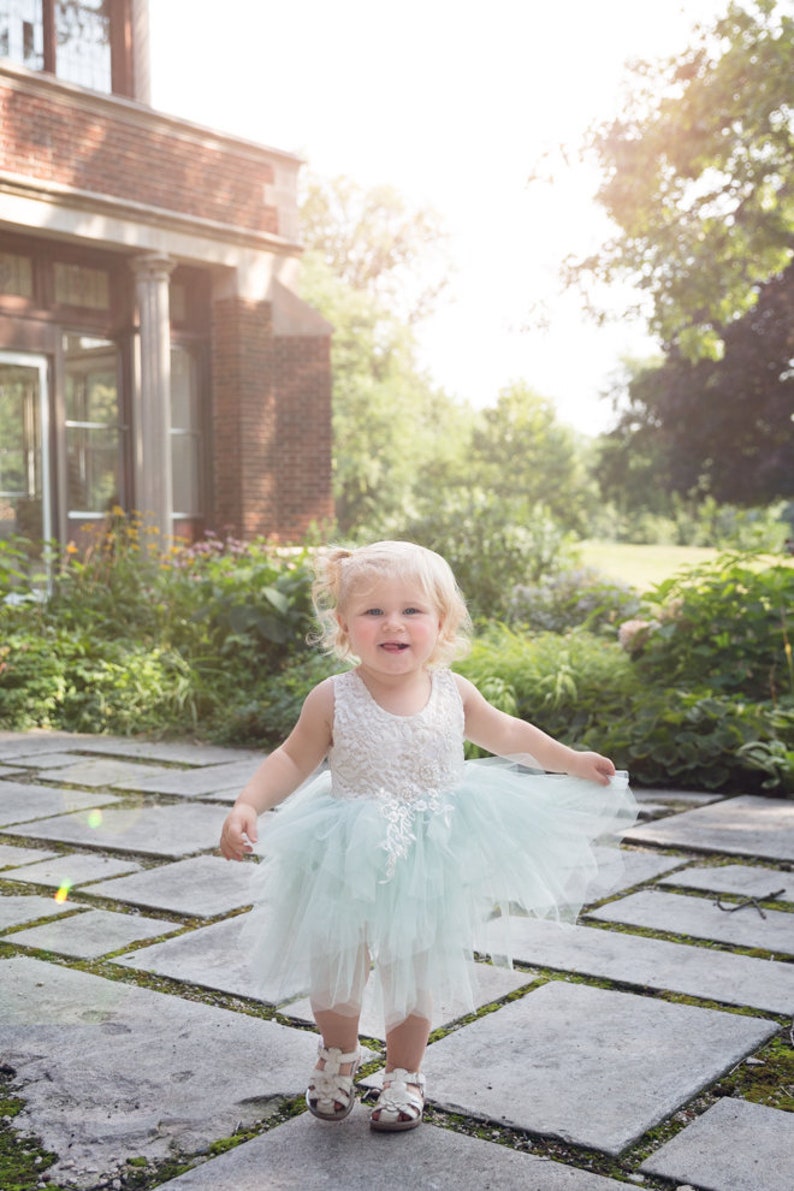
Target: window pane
186	478
82	33
16	275
186	432
94	433
22	32
184	390
76	285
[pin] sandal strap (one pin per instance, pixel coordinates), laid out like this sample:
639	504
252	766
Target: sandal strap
397	1097
333	1058
329	1084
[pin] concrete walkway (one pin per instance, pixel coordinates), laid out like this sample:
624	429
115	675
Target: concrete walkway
623	1050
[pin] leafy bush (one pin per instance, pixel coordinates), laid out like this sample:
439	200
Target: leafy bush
488	554
702	741
82	684
572	598
566	685
724	624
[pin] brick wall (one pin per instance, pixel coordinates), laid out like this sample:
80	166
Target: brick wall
271	425
243	419
303	384
110	147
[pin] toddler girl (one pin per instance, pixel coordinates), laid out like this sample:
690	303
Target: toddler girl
399	852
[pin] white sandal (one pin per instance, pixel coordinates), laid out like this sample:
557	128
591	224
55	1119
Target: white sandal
330	1095
399	1105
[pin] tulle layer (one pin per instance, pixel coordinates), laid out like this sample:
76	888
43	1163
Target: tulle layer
336	879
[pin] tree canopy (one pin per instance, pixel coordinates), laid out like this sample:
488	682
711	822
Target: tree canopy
699	177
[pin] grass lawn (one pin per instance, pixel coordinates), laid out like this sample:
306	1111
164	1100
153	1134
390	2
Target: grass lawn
642	566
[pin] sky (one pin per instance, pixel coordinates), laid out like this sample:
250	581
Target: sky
454	104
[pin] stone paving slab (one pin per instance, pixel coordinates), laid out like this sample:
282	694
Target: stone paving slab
171	752
93	771
743	826
20	803
305	1154
702	919
763	984
14	911
10	770
109	1071
14	857
190	783
742	879
202	887
166	831
637	867
493	984
72	869
49	760
210	957
14	744
674	797
734	1146
92	933
590	1066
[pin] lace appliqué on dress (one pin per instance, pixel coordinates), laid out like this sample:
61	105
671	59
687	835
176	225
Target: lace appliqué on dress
406	764
400	817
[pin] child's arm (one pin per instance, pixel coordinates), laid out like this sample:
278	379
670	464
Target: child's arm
507	736
281	772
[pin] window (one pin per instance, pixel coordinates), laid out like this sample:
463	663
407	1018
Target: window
77	285
81	41
93	428
22	32
16	275
186	432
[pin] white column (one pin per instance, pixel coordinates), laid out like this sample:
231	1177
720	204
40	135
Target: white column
152	422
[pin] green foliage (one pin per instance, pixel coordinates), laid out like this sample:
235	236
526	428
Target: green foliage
85	684
489	554
133	641
569	685
727	624
703	741
572	598
698	176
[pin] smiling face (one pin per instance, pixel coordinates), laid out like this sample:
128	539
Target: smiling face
392	626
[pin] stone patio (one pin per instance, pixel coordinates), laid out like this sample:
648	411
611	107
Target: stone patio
564	1074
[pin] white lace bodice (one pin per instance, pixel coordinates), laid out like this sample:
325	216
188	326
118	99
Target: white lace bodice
407	763
379	755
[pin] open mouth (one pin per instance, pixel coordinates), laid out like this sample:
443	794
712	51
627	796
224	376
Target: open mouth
394	646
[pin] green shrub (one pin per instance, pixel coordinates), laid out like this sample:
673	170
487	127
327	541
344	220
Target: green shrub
572	598
488	554
83	684
702	741
565	684
725	625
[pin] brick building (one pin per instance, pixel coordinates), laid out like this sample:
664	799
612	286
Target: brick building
153	350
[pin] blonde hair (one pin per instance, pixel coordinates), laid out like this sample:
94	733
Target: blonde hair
340	572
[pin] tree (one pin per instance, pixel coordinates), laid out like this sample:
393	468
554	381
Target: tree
373	242
524	457
724	427
699	178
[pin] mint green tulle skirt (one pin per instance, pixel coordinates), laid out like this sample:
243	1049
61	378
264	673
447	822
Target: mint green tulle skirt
336	889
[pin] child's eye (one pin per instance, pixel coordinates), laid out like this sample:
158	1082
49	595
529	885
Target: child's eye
413	611
373	612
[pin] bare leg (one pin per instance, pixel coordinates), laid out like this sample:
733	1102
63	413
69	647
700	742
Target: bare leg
406	1044
339	1024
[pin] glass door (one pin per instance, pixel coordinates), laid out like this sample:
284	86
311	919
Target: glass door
25	497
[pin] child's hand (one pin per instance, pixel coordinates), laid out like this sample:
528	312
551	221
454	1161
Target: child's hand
593	767
239	832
